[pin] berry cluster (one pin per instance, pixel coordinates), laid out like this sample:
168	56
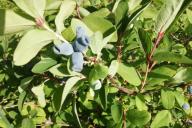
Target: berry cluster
75	49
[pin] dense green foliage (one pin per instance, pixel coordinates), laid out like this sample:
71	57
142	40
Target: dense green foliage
136	68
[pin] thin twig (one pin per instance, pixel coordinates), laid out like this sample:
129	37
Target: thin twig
78	13
124	119
153	64
159	37
145	78
150	63
121	89
119	47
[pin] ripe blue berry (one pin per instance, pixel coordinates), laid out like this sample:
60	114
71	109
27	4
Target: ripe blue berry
189	88
77	61
80	32
63	49
82	41
186	106
81	44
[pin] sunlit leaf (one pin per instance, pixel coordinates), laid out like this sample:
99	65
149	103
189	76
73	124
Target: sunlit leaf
30	44
162	119
66	9
167	14
12	22
32	7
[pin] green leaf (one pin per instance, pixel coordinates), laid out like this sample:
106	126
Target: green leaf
98	72
40	115
59	70
12	22
137	117
185	4
161	74
78	23
189	15
133	4
66	9
97	43
24	83
4	123
44	65
167	14
180	98
129	74
30	44
140	103
39	93
33	8
75	112
162	119
167	99
116	112
103	12
172	57
68	34
104	26
129	20
53	5
67	88
28	123
83	12
2	76
121	11
57	95
183	75
113	68
146	41
21	100
102	97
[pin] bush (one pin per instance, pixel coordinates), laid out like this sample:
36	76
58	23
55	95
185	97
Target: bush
95	63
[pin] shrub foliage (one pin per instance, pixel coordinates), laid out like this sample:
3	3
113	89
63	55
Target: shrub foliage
95	63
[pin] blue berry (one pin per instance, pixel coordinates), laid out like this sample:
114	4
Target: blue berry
189	88
77	61
186	106
80	32
63	49
82	41
81	44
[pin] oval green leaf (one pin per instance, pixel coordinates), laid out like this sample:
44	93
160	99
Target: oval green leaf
138	118
162	119
129	74
12	22
30	44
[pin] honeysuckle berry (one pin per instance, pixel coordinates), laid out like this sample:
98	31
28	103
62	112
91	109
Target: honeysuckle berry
80	32
189	89
63	49
82	41
186	106
77	61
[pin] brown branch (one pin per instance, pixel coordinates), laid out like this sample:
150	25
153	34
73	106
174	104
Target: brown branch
121	89
150	63
78	13
124	119
145	78
159	37
119	47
